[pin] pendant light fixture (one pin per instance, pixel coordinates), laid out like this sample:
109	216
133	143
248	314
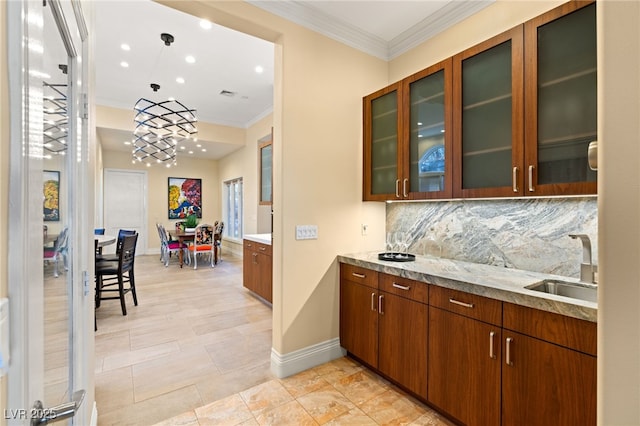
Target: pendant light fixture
160	126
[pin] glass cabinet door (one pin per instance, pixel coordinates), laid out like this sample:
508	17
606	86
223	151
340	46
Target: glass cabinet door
265	157
487	117
382	162
563	94
429	122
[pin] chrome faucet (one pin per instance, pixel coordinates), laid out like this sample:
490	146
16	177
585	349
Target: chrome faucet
587	268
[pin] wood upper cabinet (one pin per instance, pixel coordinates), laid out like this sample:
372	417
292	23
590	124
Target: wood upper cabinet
488	110
383	159
549	369
511	116
561	100
407	138
464	356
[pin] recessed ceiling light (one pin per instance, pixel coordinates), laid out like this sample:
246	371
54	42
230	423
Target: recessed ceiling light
259	69
180	80
171	98
127	142
125	46
124	64
190	59
182	147
190	152
199	146
204	149
205	24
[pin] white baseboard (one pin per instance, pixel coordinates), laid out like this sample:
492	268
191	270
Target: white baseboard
303	359
94	415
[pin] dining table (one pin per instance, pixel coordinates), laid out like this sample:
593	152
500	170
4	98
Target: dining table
105	240
184	237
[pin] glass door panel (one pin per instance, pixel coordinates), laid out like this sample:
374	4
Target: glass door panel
427	134
486	118
567	97
384	143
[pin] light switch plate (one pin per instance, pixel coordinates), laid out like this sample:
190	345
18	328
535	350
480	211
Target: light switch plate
306	232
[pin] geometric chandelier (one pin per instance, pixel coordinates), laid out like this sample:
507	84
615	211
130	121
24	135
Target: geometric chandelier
160	126
56	118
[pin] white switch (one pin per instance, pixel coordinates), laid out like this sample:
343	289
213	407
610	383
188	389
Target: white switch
306	232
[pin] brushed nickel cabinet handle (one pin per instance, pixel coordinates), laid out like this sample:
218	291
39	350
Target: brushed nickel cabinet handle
397	188
492	354
457	302
357	275
531	188
380	311
515	179
401	287
262	248
508	351
404	187
373	302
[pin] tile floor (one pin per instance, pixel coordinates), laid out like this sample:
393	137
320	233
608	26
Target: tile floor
196	351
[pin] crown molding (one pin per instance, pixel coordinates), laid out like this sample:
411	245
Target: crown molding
303	13
445	17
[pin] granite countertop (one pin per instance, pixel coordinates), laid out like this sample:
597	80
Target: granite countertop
259	238
504	284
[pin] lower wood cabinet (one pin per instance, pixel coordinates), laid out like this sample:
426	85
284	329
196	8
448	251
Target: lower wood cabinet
464	367
548	382
257	269
478	360
383	329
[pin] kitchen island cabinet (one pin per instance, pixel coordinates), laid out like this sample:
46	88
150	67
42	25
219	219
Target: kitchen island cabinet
257	267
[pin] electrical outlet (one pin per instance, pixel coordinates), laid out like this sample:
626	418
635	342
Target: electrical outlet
306	232
364	228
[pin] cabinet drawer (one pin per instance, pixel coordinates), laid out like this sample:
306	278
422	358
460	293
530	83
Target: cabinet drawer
404	287
469	305
359	275
573	333
257	247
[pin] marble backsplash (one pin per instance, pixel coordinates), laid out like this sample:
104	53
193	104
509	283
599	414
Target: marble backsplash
529	234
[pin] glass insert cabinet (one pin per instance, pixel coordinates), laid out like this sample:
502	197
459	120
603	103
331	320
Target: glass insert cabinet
510	116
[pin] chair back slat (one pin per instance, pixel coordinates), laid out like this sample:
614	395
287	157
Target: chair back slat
128	252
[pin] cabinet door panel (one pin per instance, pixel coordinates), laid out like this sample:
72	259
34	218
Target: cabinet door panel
402	342
488	104
427	132
359	321
382	160
464	380
546	384
561	100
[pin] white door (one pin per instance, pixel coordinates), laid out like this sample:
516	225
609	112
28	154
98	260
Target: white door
50	318
125	204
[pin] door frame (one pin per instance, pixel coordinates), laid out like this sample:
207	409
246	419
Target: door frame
25	382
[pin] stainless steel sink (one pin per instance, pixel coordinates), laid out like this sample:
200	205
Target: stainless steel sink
582	291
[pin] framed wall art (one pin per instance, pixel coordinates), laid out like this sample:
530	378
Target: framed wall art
185	197
51	192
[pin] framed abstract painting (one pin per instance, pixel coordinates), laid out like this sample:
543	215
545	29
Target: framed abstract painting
51	192
185	197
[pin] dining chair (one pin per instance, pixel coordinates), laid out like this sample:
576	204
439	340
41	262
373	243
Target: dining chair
98	231
111	276
202	243
218	240
58	251
168	247
114	256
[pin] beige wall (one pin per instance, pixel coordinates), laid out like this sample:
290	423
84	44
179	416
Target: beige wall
157	197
